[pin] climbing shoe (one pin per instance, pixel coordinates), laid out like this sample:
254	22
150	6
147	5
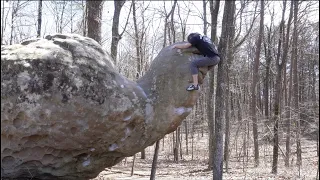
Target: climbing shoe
193	87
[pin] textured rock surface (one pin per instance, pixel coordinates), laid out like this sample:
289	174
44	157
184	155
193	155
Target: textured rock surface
67	114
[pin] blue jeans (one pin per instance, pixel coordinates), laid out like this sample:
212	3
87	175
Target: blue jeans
203	62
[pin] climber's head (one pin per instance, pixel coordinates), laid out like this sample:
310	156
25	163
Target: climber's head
191	35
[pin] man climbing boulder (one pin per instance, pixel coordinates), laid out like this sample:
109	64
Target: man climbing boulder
66	113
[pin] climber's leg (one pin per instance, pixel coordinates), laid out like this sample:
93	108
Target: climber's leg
197	63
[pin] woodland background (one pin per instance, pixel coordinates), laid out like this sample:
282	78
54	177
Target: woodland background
258	114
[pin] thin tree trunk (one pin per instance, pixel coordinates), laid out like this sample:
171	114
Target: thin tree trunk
163	143
84	19
227	25
288	100
180	143
278	85
317	176
227	117
267	46
277	100
214	9
115	29
71	17
62	17
132	167
186	131
255	80
288	117
204	4
176	146
295	81
13	14
154	162
166	23
183	23
192	139
39	18
172	22
3	21
136	39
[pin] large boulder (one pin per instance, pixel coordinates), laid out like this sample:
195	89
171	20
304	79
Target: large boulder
66	113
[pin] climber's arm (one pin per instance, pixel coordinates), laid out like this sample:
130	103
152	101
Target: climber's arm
182	46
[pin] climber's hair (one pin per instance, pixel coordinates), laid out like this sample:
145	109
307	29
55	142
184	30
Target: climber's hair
191	35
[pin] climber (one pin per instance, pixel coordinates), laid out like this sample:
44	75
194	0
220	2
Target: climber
209	51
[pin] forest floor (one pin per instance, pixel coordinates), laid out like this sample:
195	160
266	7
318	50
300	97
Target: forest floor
193	166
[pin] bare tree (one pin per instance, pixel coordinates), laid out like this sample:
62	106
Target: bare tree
268	55
295	80
214	9
173	31
227	25
115	29
154	162
136	39
205	23
17	6
255	80
39	18
59	11
280	65
94	12
4	19
166	21
230	58
183	22
84	19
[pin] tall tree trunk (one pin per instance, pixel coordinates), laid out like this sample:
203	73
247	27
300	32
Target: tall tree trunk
94	10
227	117
84	19
13	15
71	17
288	117
255	80
39	18
183	23
204	4
60	25
229	57
176	146
166	23
3	21
138	52
115	29
214	9
277	102
136	39
288	114
172	22
186	131
227	25
267	46
154	162
288	103
295	80
278	86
